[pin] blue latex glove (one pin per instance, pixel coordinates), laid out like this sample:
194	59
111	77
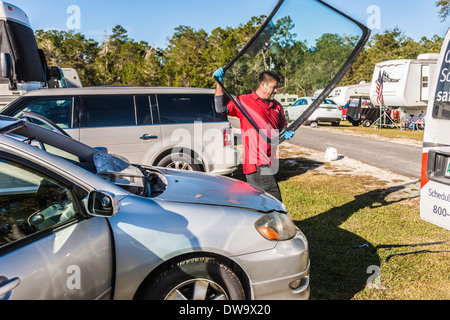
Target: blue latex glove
219	74
289	134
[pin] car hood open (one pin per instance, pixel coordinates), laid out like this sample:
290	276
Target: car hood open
202	188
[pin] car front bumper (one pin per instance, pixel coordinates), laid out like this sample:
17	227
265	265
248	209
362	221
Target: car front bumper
281	273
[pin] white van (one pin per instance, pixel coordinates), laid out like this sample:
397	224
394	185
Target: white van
167	127
435	182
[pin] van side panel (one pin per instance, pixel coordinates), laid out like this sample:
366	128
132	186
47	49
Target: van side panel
112	122
435	181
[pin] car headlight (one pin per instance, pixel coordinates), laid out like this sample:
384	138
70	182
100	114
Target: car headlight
276	226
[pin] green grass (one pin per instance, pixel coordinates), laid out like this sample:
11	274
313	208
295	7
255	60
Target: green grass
337	213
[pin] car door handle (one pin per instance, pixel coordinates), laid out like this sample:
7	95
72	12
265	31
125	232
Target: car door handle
8	286
147	137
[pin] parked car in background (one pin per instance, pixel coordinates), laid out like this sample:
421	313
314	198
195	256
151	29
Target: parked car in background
169	127
79	223
328	111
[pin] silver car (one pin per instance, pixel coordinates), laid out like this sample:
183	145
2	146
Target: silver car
80	223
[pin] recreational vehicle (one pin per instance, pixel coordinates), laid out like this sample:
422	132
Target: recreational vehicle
286	99
341	95
23	66
406	84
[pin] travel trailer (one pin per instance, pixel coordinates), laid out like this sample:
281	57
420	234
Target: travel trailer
286	99
341	95
406	84
435	177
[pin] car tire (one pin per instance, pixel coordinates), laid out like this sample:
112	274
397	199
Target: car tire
179	161
195	279
367	123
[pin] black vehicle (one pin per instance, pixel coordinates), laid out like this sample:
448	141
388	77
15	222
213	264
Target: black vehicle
362	111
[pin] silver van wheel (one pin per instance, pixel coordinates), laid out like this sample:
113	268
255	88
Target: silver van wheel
179	161
180	165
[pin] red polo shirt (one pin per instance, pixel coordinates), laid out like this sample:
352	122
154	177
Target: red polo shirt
269	118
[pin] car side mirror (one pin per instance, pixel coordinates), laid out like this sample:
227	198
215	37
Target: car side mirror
102	204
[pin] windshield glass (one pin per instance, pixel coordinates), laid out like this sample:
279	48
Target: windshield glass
307	43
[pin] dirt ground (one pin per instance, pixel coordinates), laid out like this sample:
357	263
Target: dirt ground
347	166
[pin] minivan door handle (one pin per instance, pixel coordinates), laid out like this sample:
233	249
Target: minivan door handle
7	286
147	137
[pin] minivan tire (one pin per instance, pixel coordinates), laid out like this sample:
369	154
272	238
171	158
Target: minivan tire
180	161
215	281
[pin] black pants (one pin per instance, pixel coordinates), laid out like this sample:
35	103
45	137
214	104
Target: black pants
264	179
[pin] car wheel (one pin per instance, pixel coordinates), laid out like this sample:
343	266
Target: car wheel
195	279
179	161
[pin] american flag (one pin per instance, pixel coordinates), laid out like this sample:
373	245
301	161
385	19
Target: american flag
380	89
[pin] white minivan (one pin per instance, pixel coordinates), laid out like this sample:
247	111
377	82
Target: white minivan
435	177
166	127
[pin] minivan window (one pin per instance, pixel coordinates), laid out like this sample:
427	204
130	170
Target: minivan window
58	110
146	110
187	108
108	111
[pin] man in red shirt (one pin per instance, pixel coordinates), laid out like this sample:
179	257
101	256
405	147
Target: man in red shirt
258	158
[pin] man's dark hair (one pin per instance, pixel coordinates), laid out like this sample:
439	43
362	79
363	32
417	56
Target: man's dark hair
268	76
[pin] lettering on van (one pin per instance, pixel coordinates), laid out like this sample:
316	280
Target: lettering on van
439	195
442	92
441	108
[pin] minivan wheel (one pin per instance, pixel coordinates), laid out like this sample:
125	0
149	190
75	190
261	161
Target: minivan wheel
179	161
195	279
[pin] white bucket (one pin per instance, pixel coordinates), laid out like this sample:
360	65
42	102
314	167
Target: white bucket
331	154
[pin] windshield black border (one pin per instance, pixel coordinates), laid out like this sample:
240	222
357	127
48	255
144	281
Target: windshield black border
337	78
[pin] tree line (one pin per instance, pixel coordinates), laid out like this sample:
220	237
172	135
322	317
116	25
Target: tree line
191	57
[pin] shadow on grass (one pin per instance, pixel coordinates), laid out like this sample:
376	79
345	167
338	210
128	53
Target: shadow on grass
339	269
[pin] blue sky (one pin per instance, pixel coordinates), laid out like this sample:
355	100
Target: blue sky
154	20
